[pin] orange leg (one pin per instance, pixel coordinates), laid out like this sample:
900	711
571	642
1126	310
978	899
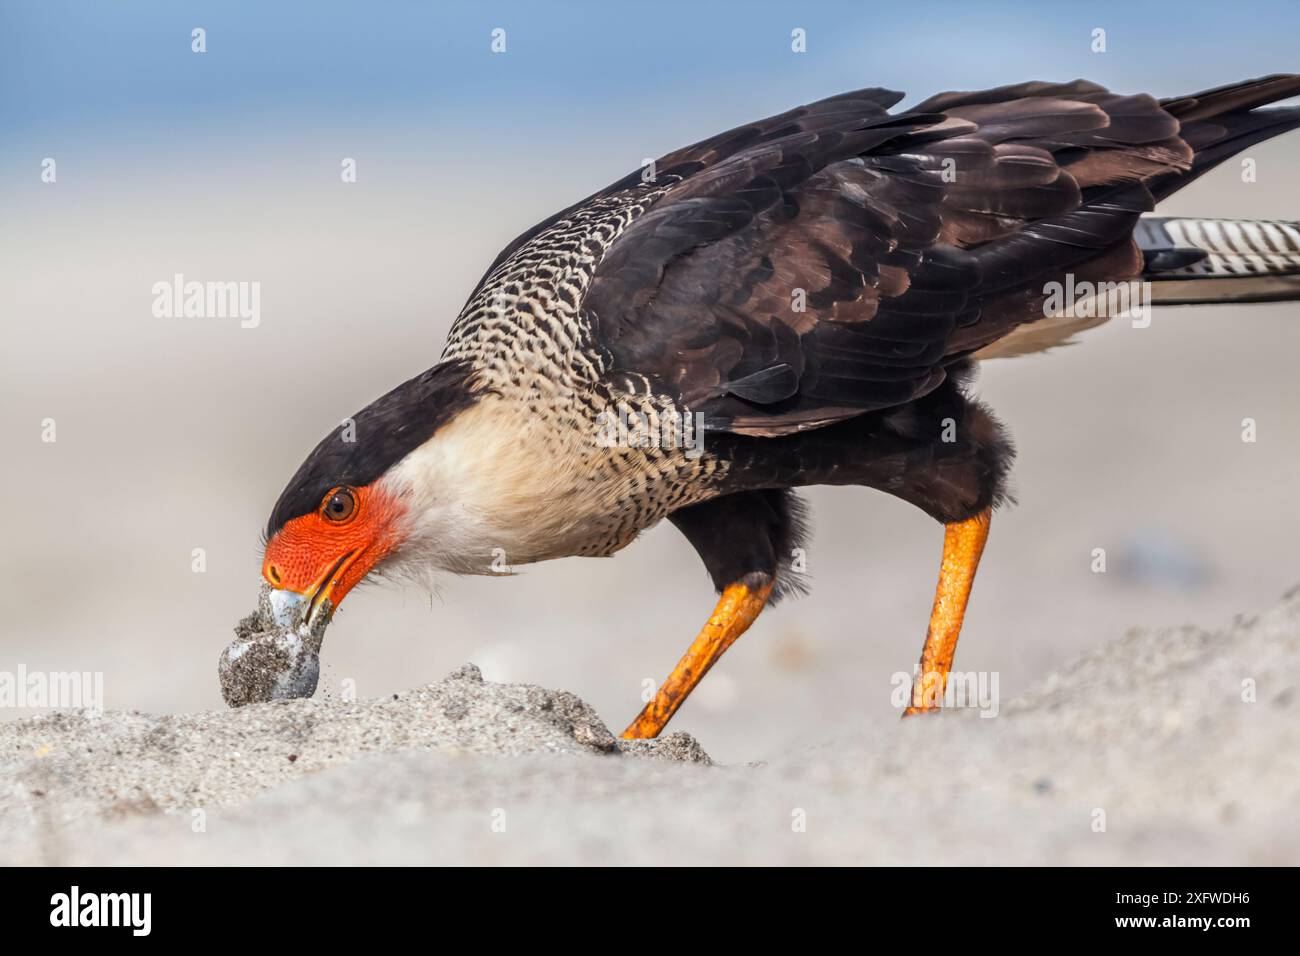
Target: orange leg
736	610
963	543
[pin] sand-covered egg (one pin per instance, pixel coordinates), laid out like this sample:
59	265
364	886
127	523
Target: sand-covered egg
271	661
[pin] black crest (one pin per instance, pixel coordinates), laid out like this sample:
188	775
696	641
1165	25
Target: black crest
382	433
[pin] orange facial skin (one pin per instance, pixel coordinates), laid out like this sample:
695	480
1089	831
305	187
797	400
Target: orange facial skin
321	557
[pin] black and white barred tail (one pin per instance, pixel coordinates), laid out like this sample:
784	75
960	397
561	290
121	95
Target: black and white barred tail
1189	261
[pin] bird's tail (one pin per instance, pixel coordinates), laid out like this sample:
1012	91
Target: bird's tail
1190	261
1220	260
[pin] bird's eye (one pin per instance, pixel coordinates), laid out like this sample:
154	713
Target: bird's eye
340	504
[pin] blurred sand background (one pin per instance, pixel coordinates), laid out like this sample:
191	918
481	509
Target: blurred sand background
175	434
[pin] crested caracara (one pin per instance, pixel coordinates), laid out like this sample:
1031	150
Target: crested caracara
798	301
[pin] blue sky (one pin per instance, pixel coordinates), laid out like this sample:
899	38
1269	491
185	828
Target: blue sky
103	69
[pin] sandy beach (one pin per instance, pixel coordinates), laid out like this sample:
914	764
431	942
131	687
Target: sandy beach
1172	746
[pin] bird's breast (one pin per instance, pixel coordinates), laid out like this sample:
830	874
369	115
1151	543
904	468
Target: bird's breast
518	479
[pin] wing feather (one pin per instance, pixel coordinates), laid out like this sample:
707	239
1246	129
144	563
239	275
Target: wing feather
838	258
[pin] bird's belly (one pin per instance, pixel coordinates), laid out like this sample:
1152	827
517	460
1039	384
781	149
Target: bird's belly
609	501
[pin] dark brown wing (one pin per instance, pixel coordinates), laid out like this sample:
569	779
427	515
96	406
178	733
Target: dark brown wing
909	241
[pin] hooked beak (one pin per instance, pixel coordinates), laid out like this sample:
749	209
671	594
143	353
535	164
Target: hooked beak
317	602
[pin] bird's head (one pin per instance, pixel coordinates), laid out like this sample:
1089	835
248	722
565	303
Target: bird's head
357	501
